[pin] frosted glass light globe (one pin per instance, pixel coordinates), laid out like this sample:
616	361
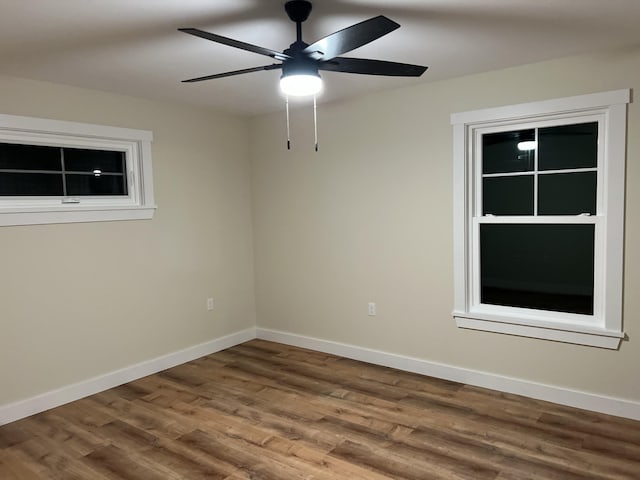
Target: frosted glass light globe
300	85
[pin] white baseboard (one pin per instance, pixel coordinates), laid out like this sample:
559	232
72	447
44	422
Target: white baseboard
55	398
562	396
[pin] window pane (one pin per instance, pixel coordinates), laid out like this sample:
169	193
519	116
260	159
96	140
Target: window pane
84	160
501	154
568	146
29	157
79	184
30	184
544	267
567	193
507	195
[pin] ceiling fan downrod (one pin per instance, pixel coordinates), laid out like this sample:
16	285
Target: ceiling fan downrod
298	12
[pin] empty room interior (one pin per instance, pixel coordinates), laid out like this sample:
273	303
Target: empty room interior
413	273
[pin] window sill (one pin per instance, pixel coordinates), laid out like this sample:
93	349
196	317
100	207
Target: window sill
562	332
77	215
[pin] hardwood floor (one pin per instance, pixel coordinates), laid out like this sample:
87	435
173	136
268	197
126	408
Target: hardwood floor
265	411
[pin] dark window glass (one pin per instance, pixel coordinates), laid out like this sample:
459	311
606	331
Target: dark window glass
29	157
544	267
42	184
507	195
568	146
109	180
500	152
83	184
83	160
567	193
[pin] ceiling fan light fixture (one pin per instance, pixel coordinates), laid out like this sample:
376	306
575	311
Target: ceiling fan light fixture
300	84
301	62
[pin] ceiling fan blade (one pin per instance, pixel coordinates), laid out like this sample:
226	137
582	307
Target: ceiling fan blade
273	66
372	67
235	43
350	38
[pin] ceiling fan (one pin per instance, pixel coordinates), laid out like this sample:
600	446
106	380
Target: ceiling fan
301	62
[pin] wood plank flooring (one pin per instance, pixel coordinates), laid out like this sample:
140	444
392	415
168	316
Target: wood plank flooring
265	411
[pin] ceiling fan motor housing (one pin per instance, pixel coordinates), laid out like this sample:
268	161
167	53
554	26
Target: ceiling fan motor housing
300	65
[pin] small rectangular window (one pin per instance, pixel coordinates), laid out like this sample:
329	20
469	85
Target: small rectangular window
59	172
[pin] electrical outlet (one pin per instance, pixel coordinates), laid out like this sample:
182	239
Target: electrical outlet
371	307
209	303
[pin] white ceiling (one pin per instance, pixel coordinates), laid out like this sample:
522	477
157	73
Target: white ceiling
132	46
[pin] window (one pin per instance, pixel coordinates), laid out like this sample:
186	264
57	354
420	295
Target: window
539	215
60	172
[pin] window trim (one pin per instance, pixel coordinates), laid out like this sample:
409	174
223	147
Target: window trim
138	204
606	330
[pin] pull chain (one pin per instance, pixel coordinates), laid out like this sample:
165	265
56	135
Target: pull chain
315	121
288	128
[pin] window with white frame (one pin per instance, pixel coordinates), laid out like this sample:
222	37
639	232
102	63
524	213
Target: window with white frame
539	218
59	172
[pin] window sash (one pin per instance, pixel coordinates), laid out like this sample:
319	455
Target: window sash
475	305
475	156
129	148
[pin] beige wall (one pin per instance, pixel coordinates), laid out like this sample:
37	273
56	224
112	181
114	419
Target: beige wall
369	219
80	300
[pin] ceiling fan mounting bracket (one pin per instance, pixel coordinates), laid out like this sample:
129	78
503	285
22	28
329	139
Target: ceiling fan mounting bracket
298	10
